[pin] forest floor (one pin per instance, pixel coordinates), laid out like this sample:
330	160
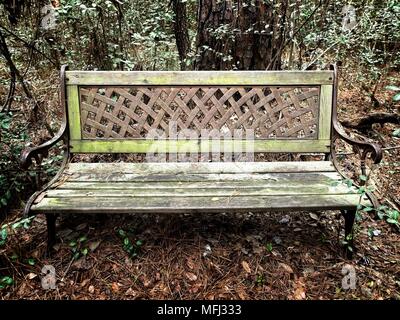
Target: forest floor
292	255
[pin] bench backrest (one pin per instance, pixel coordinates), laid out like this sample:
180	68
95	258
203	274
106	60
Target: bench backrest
120	112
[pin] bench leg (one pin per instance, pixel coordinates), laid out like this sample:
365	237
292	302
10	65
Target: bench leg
349	217
51	231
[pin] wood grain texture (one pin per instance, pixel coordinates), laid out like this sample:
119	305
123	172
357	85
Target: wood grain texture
187	190
216	78
195	187
74	114
183	204
116	112
199	167
198	146
325	112
129	177
212	185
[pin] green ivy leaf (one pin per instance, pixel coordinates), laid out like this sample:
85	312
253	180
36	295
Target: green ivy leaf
8	281
394	214
31	261
396	133
72	243
122	233
3	233
396	97
392	88
348	182
367	209
126	242
392	221
381	215
361	190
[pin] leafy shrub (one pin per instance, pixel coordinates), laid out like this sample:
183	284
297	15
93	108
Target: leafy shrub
12	179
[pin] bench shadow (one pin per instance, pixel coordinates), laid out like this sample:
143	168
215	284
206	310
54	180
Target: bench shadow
282	231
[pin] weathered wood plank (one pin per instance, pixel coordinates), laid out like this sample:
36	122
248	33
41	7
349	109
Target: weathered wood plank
74	118
179	191
198	146
207	78
325	112
202	167
196	204
278	177
155	185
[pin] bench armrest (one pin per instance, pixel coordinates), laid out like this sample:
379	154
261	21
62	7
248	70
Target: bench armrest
363	147
39	152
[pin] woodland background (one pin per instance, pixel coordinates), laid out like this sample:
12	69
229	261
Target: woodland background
272	256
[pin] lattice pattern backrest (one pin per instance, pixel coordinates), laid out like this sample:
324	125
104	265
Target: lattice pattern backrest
115	112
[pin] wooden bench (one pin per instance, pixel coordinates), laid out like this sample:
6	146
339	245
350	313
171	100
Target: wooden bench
118	112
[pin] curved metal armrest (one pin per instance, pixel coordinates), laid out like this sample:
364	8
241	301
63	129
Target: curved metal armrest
40	152
363	146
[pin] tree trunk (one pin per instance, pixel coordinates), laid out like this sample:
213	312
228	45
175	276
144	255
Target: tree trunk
14	9
181	31
240	34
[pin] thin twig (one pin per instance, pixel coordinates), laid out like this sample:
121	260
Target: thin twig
28	45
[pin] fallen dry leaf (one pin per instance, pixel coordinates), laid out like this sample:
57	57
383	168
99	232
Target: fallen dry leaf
81	226
31	275
82	264
285	267
196	287
146	282
242	295
191	276
94	245
84	282
299	292
115	287
246	266
190	263
130	292
314	216
91	289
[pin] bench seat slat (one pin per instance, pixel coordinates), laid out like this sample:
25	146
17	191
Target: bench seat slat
222	190
193	177
209	185
195	187
203	167
184	204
